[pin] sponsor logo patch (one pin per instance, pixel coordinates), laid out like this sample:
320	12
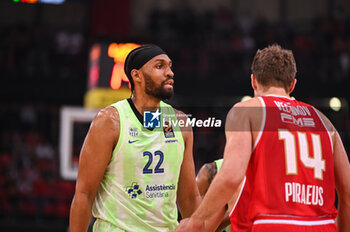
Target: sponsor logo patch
133	190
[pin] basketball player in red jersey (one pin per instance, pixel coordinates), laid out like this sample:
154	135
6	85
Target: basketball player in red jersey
291	154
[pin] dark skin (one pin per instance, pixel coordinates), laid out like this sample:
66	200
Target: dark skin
103	136
205	176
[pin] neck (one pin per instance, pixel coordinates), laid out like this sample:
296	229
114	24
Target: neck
144	101
271	91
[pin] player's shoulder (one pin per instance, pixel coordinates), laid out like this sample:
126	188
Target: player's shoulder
108	112
180	115
186	129
108	116
244	108
249	103
328	124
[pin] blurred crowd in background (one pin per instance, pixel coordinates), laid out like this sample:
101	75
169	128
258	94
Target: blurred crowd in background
216	50
44	68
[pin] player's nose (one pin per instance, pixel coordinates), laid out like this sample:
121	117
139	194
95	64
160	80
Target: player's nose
169	72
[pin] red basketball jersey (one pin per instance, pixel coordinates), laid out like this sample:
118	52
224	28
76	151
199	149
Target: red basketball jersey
290	172
239	214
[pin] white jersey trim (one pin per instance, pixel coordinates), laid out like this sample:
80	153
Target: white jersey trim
282	96
325	127
239	196
262	123
294	222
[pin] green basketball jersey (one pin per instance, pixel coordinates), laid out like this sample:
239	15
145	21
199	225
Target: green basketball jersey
218	164
138	189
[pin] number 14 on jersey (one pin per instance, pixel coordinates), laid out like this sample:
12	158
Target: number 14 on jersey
316	162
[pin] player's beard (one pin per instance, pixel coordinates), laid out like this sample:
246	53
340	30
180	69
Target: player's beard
159	92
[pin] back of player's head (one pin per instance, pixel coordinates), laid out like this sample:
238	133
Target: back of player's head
138	57
274	66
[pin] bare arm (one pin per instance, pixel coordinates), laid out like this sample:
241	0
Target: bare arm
94	157
226	219
188	197
226	183
217	221
204	178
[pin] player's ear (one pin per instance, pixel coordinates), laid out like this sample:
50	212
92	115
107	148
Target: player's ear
135	74
292	86
253	82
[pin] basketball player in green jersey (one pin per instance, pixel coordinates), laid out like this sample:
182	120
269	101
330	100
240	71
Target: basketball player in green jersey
132	178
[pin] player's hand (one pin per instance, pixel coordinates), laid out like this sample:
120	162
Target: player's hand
190	224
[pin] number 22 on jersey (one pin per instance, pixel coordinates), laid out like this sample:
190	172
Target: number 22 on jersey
290	145
157	169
